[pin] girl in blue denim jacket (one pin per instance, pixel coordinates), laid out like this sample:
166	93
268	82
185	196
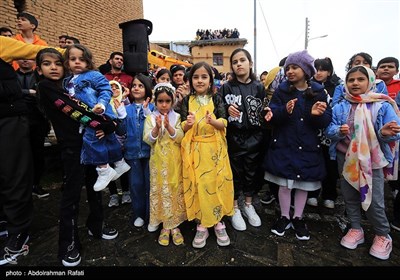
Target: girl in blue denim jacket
137	152
93	89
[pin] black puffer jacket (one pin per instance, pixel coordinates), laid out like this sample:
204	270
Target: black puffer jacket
11	101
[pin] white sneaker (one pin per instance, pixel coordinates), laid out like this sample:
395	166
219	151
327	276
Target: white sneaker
312	201
151	228
329	204
120	167
250	213
237	220
138	222
105	177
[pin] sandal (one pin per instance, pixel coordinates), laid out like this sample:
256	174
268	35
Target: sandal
163	239
177	237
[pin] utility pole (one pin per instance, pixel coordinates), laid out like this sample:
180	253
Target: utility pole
307	37
307	33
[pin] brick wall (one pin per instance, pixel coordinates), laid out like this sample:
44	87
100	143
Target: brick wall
93	22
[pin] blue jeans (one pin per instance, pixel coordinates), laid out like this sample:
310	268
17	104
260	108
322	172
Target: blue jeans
139	186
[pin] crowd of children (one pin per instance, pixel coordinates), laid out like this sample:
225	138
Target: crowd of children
189	150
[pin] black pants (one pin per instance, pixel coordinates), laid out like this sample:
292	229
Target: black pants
16	174
74	173
38	131
245	170
329	184
124	179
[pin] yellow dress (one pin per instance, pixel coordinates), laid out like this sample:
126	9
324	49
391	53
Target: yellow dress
207	174
167	204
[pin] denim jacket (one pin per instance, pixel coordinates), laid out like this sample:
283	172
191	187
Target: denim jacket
91	87
133	126
382	113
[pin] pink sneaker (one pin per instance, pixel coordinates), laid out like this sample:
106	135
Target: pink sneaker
353	238
200	238
381	247
222	236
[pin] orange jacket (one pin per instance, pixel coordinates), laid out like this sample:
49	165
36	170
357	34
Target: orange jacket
36	41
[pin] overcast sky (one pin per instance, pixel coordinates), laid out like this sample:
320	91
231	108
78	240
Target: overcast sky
352	26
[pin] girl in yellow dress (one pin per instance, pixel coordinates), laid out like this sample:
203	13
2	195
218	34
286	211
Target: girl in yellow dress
207	174
163	132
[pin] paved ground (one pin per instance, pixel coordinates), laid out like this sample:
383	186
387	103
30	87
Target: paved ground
255	247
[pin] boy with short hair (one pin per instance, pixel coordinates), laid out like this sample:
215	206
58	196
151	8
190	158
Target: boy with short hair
5	31
387	68
27	24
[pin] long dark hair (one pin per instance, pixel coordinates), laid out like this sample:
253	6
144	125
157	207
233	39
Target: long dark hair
148	93
364	55
40	57
252	76
209	72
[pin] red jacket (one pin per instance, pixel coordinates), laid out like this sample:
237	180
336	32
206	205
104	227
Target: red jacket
393	88
123	78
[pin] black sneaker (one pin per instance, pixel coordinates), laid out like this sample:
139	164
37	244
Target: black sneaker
395	224
15	247
280	226
107	233
268	198
3	229
39	192
72	258
300	228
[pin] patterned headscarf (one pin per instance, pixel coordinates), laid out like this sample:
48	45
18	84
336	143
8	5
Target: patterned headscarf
364	153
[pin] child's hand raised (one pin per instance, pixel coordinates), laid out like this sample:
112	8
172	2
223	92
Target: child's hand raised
146	103
191	118
344	129
208	117
390	129
269	114
126	93
318	108
290	105
166	121
117	103
158	121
